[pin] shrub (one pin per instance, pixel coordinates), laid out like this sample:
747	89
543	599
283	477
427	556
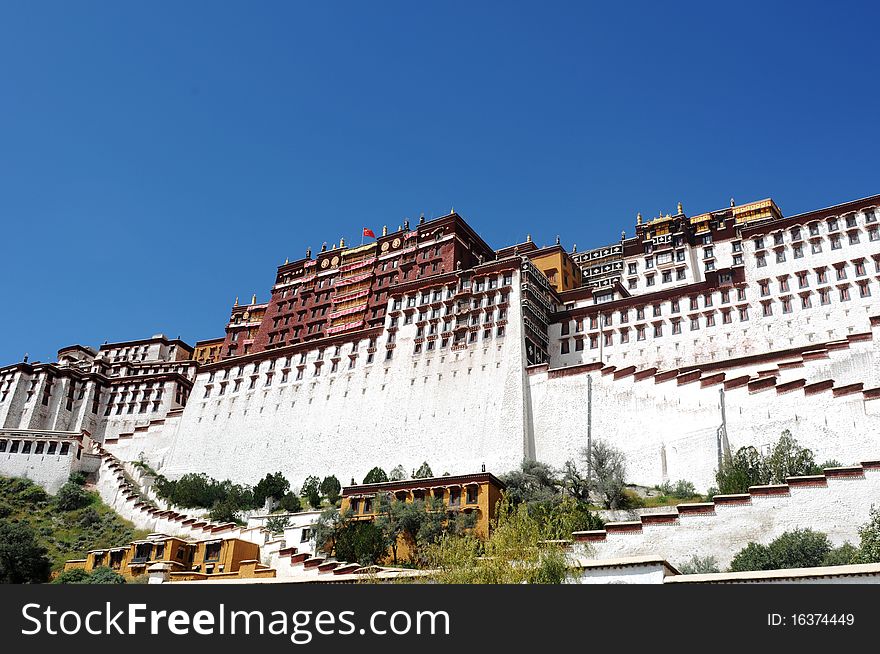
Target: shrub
699	565
843	555
800	548
683	490
22	559
72	496
74	576
105	575
78	478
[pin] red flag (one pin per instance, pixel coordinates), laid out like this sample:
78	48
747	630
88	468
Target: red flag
369	232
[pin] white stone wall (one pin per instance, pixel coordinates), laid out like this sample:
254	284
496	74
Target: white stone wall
454	409
668	431
837	510
51	471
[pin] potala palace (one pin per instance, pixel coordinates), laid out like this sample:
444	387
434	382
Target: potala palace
694	336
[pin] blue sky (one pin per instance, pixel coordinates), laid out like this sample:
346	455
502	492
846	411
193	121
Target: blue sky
158	159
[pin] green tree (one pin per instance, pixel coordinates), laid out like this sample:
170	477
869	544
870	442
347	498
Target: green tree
276	524
330	487
71	496
398	473
22	559
565	516
608	473
327	527
745	468
532	482
311	490
272	486
869	535
789	459
291	503
423	471
800	548
376	476
575	484
361	542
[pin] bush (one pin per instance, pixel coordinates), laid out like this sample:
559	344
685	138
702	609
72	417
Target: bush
72	496
104	575
697	565
22	559
843	555
683	490
78	478
748	468
801	548
74	576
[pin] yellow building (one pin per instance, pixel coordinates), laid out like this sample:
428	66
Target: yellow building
217	558
208	351
477	493
553	261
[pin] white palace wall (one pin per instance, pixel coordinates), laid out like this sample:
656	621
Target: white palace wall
455	409
836	503
667	429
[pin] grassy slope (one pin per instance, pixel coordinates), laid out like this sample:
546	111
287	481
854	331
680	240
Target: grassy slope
66	534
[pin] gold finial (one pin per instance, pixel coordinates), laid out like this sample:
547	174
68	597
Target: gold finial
528	238
384	230
680	209
236	301
286	260
342	241
639	218
254	299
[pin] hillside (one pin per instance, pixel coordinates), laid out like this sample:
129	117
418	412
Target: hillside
67	524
